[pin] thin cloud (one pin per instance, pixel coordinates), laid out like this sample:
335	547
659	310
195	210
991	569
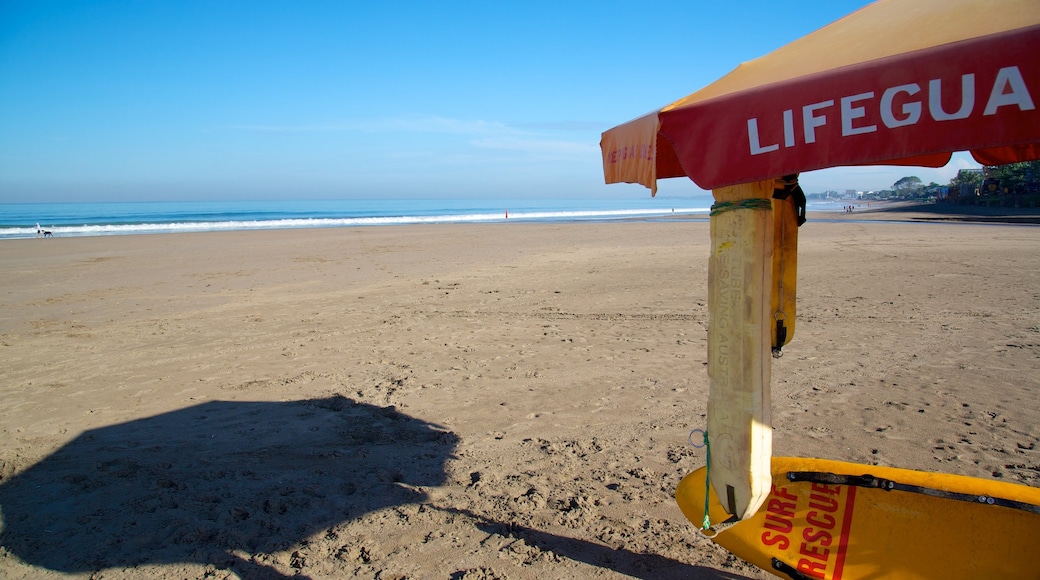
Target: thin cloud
285	128
555	147
407	124
569	126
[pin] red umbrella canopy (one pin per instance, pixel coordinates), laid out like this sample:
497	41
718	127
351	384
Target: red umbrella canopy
899	82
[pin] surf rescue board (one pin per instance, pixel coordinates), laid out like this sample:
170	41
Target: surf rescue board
834	520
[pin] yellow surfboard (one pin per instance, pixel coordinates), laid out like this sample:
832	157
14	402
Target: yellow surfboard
834	520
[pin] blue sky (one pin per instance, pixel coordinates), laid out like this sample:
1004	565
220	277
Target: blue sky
153	100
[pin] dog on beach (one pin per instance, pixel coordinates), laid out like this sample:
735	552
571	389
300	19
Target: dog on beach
47	234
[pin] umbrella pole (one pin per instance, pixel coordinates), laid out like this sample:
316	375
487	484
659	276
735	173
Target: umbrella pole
739	296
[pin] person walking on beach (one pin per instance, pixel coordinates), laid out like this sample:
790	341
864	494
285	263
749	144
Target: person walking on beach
39	232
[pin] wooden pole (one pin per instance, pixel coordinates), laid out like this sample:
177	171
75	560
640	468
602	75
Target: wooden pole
785	272
739	339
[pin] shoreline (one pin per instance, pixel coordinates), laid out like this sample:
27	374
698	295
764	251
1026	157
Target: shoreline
912	211
878	211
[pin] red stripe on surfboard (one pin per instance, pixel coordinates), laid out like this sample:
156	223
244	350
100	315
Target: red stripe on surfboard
846	526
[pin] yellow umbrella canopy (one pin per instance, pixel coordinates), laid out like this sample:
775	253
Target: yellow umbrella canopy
899	82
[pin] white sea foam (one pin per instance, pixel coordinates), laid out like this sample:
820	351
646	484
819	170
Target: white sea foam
232	225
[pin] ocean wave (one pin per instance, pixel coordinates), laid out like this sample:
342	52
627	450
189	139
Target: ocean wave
103	229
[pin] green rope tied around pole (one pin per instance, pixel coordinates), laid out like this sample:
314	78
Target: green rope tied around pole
706	524
724	206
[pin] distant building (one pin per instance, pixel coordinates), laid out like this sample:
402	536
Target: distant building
970	187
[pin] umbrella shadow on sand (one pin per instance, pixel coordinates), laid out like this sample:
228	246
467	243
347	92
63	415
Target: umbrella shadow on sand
217	483
230	483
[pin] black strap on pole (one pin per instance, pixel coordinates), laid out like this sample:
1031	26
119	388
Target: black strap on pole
791	188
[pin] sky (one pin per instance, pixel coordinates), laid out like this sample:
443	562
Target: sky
223	100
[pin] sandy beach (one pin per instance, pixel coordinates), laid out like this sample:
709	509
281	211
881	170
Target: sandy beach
469	401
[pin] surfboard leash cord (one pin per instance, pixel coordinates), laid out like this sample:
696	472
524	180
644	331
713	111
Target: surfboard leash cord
706	522
706	525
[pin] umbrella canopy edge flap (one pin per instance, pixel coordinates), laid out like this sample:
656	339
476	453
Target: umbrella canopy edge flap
632	153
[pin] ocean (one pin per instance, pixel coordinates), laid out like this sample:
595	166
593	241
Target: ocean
119	218
122	218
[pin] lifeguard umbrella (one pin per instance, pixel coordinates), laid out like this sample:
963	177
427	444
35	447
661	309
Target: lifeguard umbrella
899	82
